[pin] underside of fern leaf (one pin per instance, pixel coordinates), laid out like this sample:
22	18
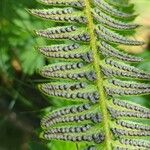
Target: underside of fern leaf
91	71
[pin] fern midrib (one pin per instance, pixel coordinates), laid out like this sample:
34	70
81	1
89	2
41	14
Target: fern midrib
96	59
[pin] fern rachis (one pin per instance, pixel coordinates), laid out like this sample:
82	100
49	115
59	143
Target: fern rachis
91	70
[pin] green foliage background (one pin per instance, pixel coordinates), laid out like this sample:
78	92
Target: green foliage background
21	105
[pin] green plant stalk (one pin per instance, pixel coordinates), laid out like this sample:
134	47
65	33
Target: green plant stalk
99	81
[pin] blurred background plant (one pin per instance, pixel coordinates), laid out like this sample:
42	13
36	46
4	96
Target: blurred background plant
21	105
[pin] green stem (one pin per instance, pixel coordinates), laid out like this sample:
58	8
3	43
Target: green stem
103	98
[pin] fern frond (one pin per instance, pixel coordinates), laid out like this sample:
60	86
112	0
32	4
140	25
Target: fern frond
110	51
107	8
91	72
112	22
